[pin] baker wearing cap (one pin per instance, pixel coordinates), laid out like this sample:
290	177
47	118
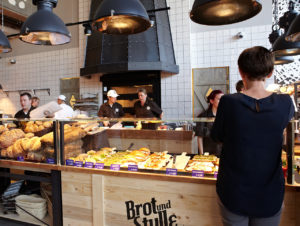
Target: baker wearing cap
66	111
111	109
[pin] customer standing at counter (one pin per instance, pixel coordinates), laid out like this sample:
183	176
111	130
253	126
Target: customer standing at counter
205	143
111	109
145	107
250	125
25	101
66	111
239	86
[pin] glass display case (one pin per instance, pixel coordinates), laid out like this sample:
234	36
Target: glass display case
146	145
25	140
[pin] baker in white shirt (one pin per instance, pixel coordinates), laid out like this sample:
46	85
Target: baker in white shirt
66	111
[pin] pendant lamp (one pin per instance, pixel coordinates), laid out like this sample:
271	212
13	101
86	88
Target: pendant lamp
122	17
281	47
4	43
44	27
293	33
221	12
280	60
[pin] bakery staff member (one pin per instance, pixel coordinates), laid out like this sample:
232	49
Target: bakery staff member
145	107
66	111
25	101
35	102
203	129
111	109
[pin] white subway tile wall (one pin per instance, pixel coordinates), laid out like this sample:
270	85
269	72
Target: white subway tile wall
192	50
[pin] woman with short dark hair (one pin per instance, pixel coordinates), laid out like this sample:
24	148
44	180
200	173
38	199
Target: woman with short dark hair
250	126
205	143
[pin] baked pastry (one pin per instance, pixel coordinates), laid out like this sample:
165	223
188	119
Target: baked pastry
47	124
29	135
11	125
3	128
18	149
36	156
39	123
7	138
9	152
31	144
47	138
3	153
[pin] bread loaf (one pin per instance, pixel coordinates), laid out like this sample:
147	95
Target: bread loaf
4	153
31	144
17	149
7	138
29	135
71	135
3	129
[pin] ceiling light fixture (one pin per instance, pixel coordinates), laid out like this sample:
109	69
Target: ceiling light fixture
221	12
280	60
4	43
281	47
44	27
121	17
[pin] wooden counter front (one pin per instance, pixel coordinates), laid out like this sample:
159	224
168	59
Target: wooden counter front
103	197
155	140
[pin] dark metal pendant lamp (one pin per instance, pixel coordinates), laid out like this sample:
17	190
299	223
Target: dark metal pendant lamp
44	27
281	47
293	33
4	43
121	17
280	60
221	12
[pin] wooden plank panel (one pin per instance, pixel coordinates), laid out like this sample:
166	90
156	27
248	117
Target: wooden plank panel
75	222
73	200
76	177
77	188
78	212
98	200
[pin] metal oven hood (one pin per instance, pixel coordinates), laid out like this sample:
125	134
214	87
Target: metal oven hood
151	50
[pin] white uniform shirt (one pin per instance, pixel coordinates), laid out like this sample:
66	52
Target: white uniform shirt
65	112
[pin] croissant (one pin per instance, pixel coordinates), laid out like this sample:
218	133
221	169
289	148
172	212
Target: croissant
47	124
3	128
29	135
10	152
17	149
32	144
4	153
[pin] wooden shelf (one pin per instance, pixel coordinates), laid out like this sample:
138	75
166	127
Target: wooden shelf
30	220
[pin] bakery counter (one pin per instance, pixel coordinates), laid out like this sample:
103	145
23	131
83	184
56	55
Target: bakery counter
104	197
155	140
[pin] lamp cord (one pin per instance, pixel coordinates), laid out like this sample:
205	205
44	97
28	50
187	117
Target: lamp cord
2	16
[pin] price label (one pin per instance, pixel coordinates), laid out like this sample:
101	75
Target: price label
115	167
99	165
50	161
216	175
197	173
78	163
20	158
88	165
133	168
171	172
70	162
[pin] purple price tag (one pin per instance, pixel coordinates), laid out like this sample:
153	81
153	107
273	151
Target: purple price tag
99	165
171	172
133	168
78	163
216	175
88	165
20	158
115	167
197	173
70	162
50	161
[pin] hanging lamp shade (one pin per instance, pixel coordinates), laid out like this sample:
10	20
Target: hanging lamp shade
221	12
293	33
280	60
4	43
281	47
43	27
121	17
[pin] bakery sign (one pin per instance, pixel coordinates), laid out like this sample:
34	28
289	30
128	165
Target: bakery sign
150	213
